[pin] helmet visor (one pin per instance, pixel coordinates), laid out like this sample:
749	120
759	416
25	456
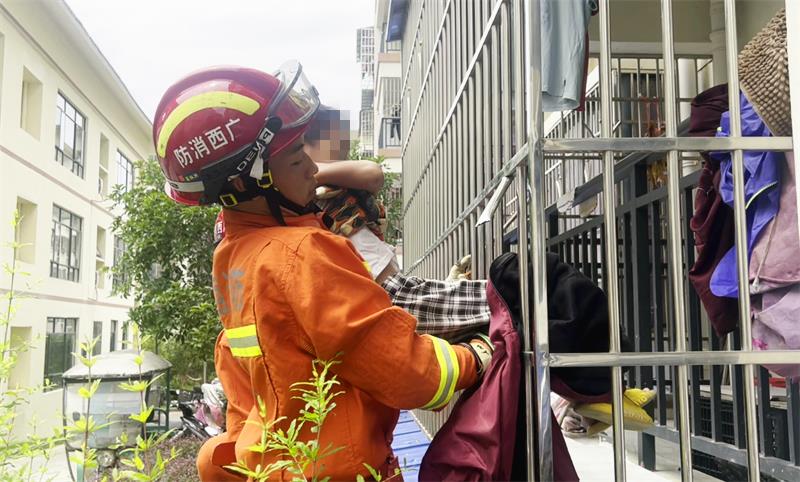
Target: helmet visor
297	101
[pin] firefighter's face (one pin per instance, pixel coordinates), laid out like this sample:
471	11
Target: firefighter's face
293	174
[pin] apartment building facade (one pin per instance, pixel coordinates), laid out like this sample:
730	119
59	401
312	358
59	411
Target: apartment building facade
487	171
388	81
69	133
365	56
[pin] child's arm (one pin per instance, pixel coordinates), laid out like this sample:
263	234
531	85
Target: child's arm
365	175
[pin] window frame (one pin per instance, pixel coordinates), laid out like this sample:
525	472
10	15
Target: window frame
66	356
77	163
125	165
98	347
119	252
112	342
73	261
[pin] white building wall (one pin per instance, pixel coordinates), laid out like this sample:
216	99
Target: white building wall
45	39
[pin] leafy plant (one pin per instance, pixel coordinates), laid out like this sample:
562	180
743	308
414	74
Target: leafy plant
85	426
166	267
18	458
147	463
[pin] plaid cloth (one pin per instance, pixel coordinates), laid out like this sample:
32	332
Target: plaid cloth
451	310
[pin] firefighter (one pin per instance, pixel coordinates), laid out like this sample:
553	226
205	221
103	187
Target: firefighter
287	290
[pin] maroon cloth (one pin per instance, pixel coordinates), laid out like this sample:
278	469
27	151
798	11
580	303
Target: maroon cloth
712	222
477	441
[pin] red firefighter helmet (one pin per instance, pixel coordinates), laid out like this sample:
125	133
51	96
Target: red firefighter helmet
214	124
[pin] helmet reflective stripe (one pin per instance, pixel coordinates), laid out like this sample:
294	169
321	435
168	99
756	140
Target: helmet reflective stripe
448	373
207	100
194	186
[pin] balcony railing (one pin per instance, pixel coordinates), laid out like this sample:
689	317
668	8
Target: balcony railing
390	133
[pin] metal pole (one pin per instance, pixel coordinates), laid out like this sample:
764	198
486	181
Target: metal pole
537	411
675	252
741	241
610	225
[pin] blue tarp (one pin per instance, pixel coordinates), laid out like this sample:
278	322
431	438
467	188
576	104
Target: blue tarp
409	445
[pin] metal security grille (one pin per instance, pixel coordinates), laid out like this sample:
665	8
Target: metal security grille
475	141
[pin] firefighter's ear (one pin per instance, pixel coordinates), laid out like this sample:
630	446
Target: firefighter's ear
238	184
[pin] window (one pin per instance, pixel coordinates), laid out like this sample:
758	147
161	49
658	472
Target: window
100	260
112	345
70	125
124	171
26	231
65	243
58	348
30	117
102	175
124	338
97	334
119	251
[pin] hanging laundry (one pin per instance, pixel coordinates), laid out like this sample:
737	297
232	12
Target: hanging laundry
565	49
484	437
775	278
712	221
761	189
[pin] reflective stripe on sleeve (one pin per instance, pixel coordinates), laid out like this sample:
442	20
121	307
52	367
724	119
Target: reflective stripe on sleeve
243	341
448	373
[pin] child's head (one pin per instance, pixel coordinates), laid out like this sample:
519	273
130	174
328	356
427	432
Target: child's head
328	137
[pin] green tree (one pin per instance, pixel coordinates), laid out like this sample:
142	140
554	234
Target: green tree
389	194
166	265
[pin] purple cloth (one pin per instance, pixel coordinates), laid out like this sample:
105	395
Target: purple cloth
775	275
761	189
776	327
775	260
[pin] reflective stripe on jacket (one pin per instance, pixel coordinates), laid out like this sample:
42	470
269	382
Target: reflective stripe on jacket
289	294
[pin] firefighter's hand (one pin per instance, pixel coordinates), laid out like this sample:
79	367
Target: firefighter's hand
481	348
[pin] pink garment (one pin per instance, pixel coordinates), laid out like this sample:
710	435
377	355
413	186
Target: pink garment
775	261
478	440
775	279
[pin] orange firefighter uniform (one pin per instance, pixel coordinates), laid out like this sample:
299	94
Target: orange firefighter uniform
219	451
289	294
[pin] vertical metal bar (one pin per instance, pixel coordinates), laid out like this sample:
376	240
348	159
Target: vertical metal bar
585	266
732	50
611	238
659	307
793	419
764	430
538	434
716	393
497	153
737	389
477	256
643	317
693	316
595	264
674	245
